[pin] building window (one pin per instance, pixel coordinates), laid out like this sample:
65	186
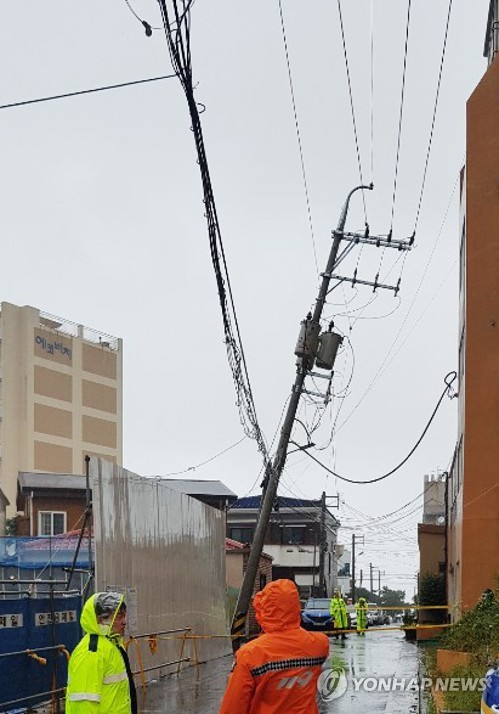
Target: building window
243	535
263	580
51	523
293	535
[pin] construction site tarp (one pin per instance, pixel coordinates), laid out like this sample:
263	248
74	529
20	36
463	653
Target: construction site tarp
166	552
38	552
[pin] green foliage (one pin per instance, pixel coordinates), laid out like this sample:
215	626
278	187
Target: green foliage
408	618
367	594
431	707
392	598
432	590
477	632
464	701
11	526
429	659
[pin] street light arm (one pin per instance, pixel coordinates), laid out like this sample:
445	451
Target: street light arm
344	210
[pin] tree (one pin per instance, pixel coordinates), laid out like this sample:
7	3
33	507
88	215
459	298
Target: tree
392	598
432	590
367	594
11	526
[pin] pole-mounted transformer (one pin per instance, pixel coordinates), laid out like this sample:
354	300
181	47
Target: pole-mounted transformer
329	344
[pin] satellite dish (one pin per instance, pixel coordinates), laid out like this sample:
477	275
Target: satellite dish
440	520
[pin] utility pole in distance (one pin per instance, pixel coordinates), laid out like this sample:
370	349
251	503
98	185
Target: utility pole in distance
379	582
323	543
355	539
309	344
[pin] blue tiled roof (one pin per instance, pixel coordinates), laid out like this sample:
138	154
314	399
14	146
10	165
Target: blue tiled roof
254	502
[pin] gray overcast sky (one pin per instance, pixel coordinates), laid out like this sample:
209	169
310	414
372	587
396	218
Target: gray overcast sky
102	223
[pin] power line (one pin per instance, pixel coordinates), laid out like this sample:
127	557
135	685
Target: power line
401	112
86	91
434	116
177	32
371	13
448	386
386	360
208	461
298	136
354	121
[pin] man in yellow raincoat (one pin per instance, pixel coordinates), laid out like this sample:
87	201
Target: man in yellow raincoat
338	610
100	680
361	611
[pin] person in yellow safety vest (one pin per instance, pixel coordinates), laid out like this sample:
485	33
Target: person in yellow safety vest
338	610
361	610
100	679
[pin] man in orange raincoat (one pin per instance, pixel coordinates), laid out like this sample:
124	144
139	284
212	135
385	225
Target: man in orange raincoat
277	672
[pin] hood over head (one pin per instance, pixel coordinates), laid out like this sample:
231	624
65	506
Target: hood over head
277	606
105	604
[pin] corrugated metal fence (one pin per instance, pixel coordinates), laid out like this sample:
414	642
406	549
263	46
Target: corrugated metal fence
166	551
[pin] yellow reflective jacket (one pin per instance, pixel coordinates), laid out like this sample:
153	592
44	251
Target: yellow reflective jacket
98	680
338	610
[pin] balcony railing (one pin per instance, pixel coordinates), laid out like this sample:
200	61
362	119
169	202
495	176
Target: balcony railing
73	329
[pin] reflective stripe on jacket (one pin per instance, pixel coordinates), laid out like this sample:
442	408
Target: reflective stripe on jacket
98	682
277	672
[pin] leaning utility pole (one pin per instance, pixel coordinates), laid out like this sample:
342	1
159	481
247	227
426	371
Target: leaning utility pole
309	346
312	347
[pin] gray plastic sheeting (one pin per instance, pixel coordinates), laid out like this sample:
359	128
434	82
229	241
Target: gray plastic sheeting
166	552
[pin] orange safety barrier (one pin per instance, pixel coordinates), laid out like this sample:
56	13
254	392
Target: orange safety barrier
37	658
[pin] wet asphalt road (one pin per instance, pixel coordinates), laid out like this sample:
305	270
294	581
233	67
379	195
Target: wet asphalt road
379	654
361	659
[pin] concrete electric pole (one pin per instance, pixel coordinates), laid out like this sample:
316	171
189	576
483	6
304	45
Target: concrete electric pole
311	345
355	539
323	543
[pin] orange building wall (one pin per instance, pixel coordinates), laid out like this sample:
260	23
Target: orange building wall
431	539
480	521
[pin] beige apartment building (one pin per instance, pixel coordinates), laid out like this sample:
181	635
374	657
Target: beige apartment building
60	396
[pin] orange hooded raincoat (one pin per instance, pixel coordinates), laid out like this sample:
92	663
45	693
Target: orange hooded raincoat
277	672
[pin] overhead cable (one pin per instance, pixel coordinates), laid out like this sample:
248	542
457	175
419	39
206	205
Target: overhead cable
354	121
298	136
401	112
387	359
177	26
372	88
208	461
85	91
434	115
449	379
